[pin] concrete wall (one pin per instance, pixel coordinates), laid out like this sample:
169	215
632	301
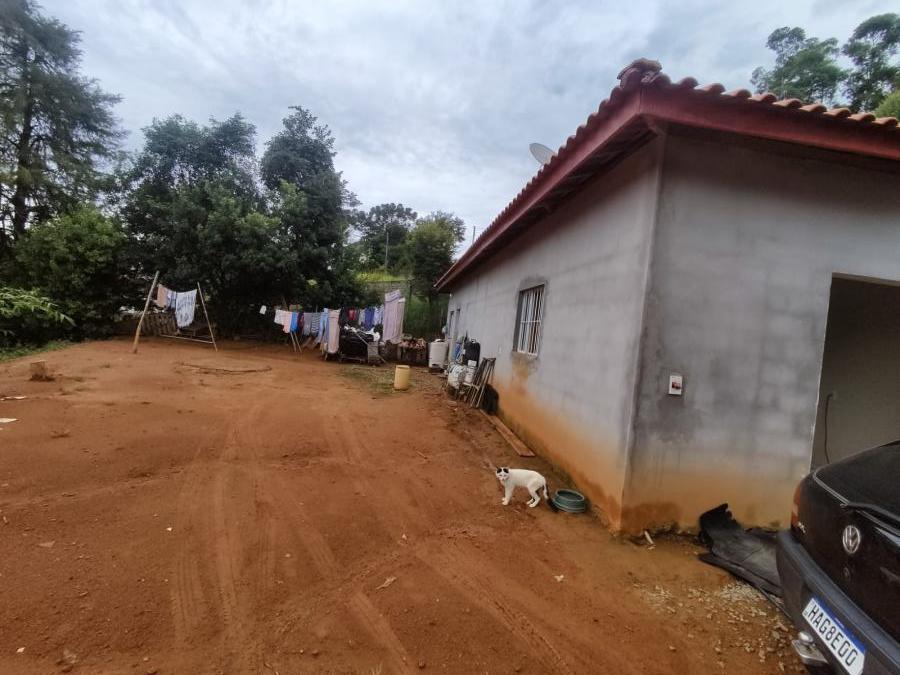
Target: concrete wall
747	241
574	402
860	369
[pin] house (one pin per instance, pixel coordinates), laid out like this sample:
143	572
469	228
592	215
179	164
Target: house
696	300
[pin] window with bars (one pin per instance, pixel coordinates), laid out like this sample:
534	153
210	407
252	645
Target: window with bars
528	324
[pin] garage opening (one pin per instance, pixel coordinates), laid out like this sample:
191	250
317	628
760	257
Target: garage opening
859	391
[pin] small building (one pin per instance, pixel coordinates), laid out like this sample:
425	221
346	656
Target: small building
696	300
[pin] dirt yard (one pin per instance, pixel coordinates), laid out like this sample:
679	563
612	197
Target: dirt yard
180	511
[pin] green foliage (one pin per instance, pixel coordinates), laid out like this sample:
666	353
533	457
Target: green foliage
382	236
890	106
430	249
302	155
805	68
871	48
425	316
56	124
27	317
20	351
173	183
77	259
196	213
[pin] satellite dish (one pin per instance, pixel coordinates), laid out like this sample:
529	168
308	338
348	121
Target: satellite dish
541	153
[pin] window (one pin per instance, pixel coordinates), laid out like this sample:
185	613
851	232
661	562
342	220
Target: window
528	325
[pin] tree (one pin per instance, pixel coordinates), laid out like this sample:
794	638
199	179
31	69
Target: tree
805	68
382	235
56	124
312	203
195	210
302	154
871	48
76	260
430	248
890	106
175	182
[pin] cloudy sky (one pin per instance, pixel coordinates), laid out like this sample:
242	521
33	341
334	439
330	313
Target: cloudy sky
432	104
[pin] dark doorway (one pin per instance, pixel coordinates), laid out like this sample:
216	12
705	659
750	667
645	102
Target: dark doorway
859	391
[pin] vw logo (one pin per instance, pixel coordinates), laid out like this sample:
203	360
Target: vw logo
850	538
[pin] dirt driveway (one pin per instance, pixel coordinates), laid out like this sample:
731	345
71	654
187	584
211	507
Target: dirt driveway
185	512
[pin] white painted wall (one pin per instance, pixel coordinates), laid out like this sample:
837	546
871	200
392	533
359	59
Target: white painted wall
574	401
747	241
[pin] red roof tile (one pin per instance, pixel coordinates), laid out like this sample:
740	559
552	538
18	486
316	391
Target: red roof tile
645	96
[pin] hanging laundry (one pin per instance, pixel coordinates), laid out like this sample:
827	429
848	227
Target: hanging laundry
401	311
369	318
323	329
262	309
314	321
394	309
295	321
334	331
185	304
161	296
279	319
171	297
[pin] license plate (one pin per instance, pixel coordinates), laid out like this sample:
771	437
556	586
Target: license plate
837	639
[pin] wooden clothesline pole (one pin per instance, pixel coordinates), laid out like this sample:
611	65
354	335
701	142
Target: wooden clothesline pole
137	331
206	314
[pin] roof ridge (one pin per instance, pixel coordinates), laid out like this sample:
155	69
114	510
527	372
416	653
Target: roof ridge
647	73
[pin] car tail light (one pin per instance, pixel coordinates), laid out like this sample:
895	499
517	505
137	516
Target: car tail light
795	507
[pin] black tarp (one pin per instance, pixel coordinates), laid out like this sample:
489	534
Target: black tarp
748	554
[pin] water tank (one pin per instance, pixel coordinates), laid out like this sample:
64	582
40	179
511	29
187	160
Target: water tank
437	354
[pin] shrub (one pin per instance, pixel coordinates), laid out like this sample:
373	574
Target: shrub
27	317
890	106
76	260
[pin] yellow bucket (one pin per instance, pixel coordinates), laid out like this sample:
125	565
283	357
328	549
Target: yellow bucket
401	378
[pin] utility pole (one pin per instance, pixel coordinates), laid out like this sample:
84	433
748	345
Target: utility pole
473	234
387	239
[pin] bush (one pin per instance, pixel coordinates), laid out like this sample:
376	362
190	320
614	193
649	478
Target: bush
27	317
424	317
76	260
890	106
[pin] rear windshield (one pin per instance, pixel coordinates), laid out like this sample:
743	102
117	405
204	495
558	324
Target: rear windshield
871	476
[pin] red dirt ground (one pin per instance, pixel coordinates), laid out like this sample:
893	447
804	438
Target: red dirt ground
161	514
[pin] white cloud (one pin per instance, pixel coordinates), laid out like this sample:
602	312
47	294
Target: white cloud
432	104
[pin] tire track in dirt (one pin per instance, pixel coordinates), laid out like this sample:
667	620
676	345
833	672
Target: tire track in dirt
474	580
209	513
338	582
189	606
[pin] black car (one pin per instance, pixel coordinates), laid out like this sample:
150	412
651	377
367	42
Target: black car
840	564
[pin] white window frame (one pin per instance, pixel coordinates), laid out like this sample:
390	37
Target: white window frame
529	315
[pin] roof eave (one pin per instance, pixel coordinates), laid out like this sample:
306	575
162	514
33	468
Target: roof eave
590	139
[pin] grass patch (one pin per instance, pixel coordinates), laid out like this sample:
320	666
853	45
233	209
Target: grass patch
10	353
377	379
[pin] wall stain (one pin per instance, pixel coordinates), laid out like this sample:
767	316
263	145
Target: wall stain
585	456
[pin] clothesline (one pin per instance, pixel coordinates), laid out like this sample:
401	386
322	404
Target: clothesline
324	326
184	303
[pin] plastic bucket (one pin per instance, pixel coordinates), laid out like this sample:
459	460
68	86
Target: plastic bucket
401	378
